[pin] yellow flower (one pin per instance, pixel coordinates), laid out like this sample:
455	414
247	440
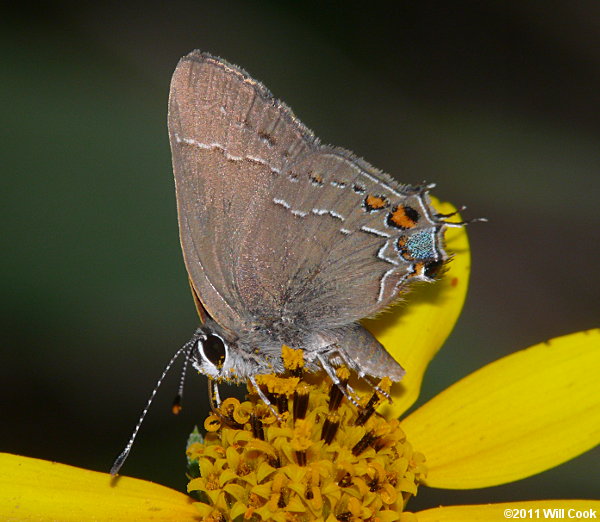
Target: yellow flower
518	416
318	458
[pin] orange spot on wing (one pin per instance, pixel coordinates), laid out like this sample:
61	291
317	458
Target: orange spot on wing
375	202
402	241
316	178
403	217
419	268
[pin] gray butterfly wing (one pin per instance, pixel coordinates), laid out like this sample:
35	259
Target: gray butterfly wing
229	139
276	228
363	238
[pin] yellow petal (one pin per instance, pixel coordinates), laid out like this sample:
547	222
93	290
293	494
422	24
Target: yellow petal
516	417
387	516
32	489
238	509
414	330
238	492
263	471
528	510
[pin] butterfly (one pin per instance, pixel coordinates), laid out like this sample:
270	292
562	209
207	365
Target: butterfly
286	241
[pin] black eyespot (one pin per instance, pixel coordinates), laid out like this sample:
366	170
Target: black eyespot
214	350
433	269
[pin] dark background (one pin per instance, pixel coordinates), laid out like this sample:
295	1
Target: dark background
498	102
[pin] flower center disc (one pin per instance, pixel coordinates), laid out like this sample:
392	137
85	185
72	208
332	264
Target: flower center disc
319	456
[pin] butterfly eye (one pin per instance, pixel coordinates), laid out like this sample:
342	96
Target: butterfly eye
213	349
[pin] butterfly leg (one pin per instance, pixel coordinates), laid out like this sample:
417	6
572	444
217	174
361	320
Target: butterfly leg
264	398
345	389
213	396
369	380
215	399
364	376
361	374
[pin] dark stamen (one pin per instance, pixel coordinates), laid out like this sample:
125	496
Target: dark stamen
330	428
282	403
301	458
368	410
271	396
257	427
281	503
363	443
345	481
378	444
309	493
300	406
336	395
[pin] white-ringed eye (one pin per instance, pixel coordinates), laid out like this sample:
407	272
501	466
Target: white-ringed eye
213	349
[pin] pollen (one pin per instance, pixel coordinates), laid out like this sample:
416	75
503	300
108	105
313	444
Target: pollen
278	385
315	462
343	373
302	435
292	359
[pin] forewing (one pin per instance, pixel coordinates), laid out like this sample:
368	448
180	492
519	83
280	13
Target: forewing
229	140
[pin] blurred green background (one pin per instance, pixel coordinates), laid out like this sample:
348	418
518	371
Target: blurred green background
498	102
